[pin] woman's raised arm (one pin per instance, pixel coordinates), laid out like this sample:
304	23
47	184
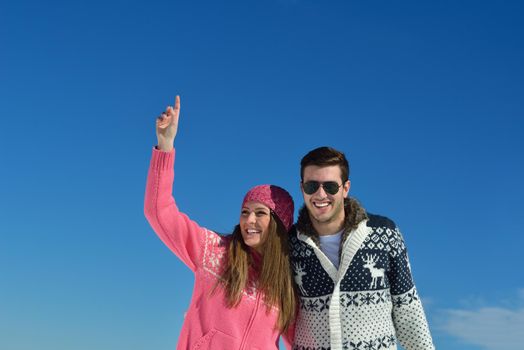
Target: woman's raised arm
182	235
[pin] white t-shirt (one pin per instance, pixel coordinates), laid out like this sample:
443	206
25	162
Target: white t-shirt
330	245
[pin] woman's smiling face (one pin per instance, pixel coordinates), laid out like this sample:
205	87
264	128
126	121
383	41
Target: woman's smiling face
254	223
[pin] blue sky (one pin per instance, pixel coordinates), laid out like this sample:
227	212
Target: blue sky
425	98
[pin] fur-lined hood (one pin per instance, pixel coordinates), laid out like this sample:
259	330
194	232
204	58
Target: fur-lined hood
354	214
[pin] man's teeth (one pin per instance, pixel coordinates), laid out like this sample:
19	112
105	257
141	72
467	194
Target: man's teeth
321	205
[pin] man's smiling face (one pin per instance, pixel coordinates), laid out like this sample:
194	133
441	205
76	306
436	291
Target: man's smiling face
325	210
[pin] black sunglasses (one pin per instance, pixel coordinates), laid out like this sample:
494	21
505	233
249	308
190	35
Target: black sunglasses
311	187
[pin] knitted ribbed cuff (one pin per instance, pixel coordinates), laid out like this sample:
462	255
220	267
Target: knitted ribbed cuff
161	160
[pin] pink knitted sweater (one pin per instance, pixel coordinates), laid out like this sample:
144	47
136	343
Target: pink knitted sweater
209	323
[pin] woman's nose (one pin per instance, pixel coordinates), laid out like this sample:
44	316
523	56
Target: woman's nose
251	218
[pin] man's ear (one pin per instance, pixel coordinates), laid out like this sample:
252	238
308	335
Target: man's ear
347	186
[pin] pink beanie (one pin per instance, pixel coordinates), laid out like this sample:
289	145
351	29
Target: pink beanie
275	198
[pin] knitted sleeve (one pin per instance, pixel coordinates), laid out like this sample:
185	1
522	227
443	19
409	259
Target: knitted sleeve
183	236
410	322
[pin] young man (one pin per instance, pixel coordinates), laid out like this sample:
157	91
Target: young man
351	268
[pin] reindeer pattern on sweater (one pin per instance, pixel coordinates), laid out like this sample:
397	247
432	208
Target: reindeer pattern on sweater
370	302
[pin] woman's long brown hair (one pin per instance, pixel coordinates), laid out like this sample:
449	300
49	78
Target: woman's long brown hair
275	279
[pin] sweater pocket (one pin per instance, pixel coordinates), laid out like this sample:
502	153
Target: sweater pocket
215	339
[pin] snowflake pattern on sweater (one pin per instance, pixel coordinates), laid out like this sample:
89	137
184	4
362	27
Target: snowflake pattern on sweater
370	303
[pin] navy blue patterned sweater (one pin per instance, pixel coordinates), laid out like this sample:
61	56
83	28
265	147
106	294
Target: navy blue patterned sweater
369	303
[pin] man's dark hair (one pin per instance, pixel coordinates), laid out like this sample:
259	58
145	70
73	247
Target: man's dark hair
326	156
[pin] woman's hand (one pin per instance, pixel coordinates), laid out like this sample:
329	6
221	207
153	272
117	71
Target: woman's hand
167	126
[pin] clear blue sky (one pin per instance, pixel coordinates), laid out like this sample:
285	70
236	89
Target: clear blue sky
425	98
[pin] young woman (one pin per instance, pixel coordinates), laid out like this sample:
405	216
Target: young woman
243	297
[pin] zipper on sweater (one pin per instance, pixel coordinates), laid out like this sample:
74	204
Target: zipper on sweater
250	324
